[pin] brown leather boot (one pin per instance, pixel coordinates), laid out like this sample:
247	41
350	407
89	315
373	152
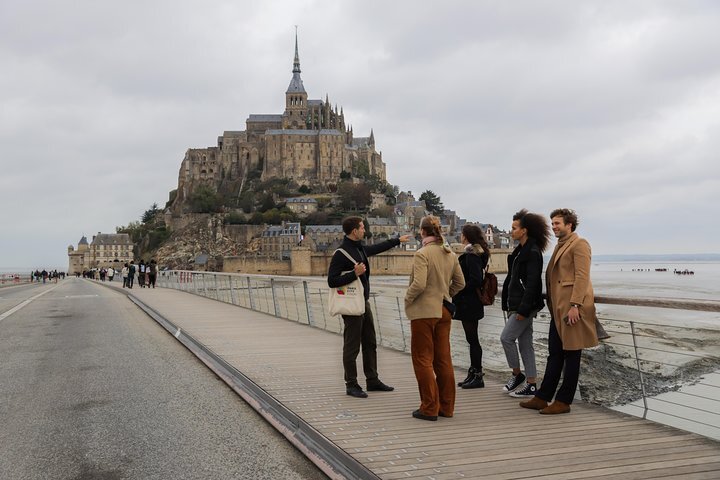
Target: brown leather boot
556	407
534	403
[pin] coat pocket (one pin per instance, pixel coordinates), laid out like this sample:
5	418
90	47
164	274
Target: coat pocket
567	284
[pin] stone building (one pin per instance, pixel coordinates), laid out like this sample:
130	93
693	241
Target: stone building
302	205
382	227
105	250
277	240
321	238
309	143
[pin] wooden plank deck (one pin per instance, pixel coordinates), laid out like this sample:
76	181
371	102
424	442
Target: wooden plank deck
490	436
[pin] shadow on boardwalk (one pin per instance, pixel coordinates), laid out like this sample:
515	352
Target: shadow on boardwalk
299	369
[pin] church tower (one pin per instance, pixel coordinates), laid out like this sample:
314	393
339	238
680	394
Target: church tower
295	97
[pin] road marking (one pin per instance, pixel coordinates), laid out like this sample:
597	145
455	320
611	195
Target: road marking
21	305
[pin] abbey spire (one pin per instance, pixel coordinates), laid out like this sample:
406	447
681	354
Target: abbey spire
295	97
296	84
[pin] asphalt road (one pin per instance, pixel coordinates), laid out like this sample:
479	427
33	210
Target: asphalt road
91	388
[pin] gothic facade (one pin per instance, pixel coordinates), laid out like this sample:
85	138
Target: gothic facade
105	250
309	143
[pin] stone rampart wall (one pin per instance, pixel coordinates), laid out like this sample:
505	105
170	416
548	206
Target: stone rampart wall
259	265
306	263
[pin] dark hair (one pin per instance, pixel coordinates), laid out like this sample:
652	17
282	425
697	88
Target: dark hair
431	226
351	223
568	215
474	235
536	226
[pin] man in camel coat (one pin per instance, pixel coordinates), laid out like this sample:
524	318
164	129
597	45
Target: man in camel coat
571	302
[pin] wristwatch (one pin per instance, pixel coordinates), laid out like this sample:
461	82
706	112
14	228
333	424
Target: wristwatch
576	305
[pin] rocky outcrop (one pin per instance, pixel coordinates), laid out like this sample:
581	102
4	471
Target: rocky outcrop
201	234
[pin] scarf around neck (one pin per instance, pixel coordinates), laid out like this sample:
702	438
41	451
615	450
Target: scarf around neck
567	238
428	240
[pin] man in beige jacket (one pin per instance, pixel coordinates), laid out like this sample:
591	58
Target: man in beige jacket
571	302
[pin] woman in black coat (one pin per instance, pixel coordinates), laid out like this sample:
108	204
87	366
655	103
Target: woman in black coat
522	299
469	307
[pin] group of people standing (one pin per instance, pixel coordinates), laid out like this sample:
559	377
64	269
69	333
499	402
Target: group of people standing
444	286
146	274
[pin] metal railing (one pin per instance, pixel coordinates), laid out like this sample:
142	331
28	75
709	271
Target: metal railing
6	279
662	370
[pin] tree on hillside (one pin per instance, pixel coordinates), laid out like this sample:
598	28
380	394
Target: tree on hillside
267	203
432	202
354	196
386	211
361	196
149	215
204	199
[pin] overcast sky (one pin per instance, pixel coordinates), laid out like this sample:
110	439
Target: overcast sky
611	108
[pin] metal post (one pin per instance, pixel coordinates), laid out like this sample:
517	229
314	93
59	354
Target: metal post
217	287
307	303
233	295
402	329
250	295
274	299
295	301
637	359
195	284
204	286
322	309
377	319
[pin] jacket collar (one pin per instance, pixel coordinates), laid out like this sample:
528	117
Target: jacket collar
523	251
561	248
354	243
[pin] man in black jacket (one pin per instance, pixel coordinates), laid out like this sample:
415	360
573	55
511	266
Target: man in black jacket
359	330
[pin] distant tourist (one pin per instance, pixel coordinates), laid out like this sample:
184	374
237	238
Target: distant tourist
124	274
436	277
359	330
469	307
110	273
142	270
572	307
522	299
131	274
152	273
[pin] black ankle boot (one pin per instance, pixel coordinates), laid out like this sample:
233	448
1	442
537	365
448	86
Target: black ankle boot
477	380
470	376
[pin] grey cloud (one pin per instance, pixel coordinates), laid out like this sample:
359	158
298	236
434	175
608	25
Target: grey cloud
609	107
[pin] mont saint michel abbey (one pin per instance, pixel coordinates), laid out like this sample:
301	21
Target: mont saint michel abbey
309	143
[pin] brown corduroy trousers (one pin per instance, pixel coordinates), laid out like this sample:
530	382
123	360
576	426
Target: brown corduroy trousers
430	349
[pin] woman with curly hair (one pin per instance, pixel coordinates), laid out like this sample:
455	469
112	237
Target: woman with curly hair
469	307
435	278
522	299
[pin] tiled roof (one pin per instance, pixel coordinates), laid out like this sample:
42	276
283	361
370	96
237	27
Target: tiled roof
323	229
302	132
290	228
265	118
111	239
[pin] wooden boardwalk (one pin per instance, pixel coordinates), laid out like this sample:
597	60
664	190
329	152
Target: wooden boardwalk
489	437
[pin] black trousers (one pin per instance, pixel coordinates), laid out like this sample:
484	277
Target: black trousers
471	335
360	331
557	360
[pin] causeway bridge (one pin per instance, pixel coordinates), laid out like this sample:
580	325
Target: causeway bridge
271	340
